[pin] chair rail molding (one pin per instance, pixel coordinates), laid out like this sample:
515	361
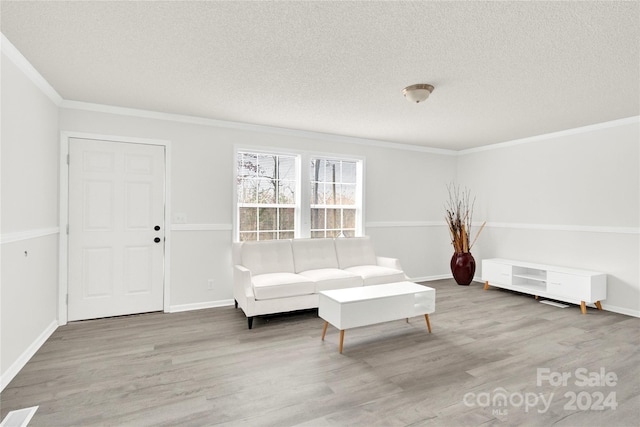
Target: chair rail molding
17	236
391	224
201	227
564	227
513	225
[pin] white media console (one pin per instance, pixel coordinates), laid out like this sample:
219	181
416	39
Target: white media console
558	283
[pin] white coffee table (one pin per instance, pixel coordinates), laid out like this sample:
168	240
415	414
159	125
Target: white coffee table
368	305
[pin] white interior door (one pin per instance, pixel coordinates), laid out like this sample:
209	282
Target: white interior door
116	228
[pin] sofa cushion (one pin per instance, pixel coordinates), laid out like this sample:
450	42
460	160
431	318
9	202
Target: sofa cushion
263	257
332	278
281	285
376	275
353	251
313	254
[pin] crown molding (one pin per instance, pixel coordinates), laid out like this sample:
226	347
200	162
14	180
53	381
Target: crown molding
132	112
567	132
29	70
155	115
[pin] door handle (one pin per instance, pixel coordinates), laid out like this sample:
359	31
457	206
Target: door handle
157	228
157	240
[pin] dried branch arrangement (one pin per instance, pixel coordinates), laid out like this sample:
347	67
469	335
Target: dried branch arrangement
459	209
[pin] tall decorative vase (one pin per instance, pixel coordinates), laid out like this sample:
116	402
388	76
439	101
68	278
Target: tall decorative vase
463	267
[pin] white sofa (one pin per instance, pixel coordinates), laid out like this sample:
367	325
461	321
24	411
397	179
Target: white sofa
277	276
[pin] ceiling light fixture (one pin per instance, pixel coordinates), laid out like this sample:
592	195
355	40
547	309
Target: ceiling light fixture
417	93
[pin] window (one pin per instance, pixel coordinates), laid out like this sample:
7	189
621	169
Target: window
272	189
266	186
333	198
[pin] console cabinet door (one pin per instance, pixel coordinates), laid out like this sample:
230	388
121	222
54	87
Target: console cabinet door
496	273
568	285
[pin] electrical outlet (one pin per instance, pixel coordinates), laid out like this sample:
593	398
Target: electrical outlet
210	284
180	218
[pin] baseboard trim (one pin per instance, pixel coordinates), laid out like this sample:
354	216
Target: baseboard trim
20	363
607	307
431	278
228	302
19	417
621	310
200	305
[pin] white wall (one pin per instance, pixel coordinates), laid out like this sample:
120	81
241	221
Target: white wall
29	219
405	196
570	199
404	190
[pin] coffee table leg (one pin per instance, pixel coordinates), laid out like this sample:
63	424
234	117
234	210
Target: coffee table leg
324	330
426	317
341	339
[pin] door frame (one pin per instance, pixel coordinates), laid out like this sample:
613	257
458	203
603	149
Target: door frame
63	261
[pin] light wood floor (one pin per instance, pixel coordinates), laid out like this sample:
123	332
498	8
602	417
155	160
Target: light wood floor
206	368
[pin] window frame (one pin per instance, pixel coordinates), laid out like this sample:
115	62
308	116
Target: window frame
302	209
359	190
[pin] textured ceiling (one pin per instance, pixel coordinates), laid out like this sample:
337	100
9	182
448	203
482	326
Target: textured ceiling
501	70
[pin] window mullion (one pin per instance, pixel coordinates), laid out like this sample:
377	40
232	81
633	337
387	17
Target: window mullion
303	213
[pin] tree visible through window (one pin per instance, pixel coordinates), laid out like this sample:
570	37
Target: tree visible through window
333	198
268	203
266	196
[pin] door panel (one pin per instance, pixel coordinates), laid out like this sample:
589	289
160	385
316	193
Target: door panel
116	198
98	206
97	272
137	270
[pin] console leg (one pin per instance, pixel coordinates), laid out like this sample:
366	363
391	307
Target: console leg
250	322
598	305
583	307
341	339
236	302
486	285
324	330
426	317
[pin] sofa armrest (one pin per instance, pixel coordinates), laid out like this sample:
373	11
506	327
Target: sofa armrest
389	262
242	290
